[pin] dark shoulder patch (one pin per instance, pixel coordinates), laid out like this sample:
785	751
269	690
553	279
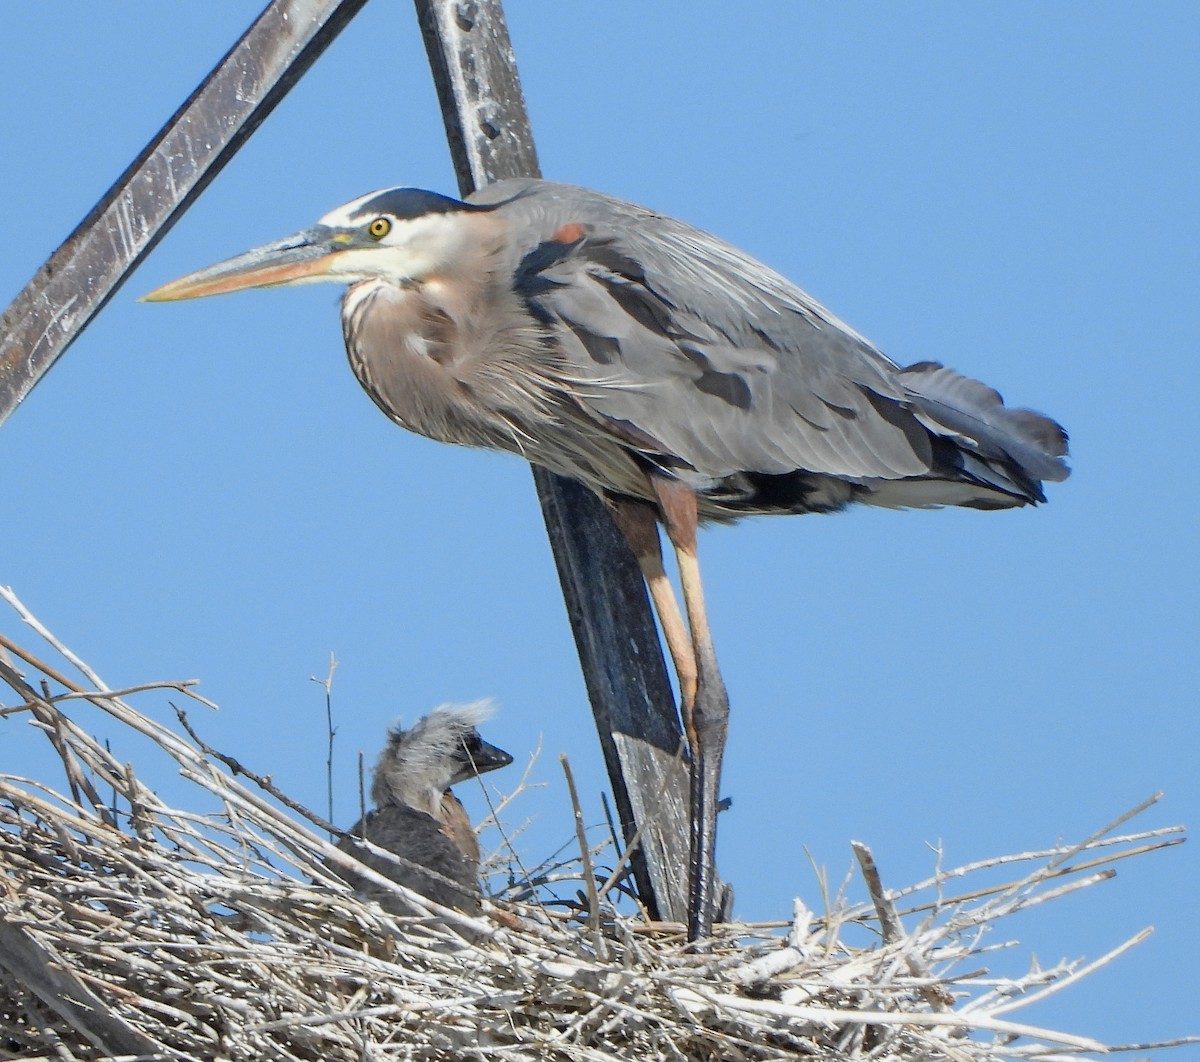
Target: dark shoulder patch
404	203
727	386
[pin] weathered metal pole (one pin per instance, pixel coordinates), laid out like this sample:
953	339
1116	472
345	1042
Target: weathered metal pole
191	149
490	139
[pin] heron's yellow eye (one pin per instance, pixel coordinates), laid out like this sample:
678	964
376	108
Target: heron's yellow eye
379	228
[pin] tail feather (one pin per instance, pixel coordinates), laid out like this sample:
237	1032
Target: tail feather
1013	449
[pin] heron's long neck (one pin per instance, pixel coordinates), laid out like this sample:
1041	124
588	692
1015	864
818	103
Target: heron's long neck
415	785
454	356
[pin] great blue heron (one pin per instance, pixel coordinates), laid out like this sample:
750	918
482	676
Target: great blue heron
417	817
675	375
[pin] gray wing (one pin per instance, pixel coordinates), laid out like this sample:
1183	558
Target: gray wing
434	867
710	359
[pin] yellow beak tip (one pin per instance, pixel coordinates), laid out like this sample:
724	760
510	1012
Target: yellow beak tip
162	294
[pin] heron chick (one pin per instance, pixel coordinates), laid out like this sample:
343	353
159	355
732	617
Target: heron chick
672	373
417	817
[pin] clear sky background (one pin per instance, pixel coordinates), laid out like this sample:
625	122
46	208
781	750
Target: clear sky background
202	490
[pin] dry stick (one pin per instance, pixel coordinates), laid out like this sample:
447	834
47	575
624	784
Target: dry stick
49	717
1023	857
1077	975
362	797
1074	868
1155	1045
192	765
182	686
94	695
589	874
618	870
494	811
914	1018
27	656
626	852
42	972
6	592
942	902
893	929
262	781
327	682
1070	852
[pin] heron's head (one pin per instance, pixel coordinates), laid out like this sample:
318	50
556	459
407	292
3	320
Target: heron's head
444	747
400	234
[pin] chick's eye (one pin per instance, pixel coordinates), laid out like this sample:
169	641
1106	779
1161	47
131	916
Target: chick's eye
379	228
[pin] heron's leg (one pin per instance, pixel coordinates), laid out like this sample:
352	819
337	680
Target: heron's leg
638	523
710	710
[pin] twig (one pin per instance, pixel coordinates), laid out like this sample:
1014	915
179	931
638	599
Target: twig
1077	975
1062	871
589	874
893	929
262	781
330	731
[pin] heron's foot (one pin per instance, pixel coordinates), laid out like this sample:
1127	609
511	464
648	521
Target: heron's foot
710	720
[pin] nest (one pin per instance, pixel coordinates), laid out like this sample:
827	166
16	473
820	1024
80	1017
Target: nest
133	928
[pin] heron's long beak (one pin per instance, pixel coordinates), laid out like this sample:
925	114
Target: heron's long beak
302	258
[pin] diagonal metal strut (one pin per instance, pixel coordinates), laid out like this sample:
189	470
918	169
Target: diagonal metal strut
161	183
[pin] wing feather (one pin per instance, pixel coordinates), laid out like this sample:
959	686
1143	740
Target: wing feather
725	368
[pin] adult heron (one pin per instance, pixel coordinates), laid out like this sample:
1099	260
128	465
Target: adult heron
676	376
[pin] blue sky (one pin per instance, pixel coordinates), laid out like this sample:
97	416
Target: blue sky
202	490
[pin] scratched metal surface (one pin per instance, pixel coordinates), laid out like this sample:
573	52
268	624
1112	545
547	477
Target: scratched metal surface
84	273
